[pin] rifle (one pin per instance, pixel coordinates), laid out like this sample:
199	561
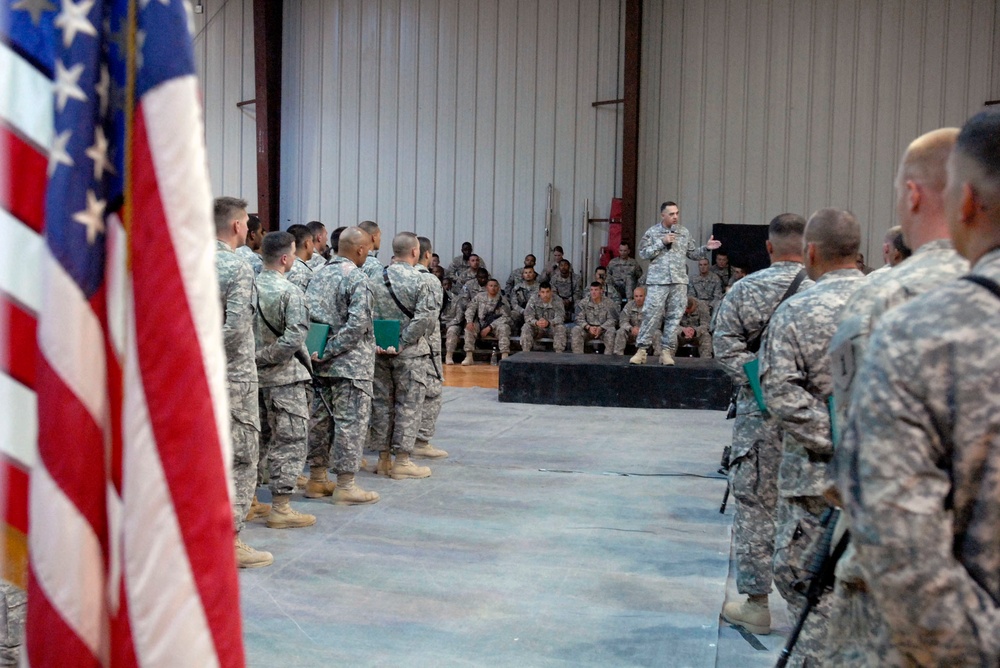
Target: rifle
820	569
724	470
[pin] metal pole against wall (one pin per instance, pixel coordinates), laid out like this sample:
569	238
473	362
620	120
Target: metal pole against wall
548	228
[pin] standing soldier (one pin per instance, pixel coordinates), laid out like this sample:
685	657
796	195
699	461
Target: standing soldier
740	322
236	289
251	250
595	319
432	398
372	267
282	327
301	272
666	245
544	316
795	378
624	273
321	247
486	314
920	184
340	296
401	376
924	494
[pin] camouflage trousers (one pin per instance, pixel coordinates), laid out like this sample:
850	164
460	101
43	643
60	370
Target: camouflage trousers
667	302
341	435
397	402
857	634
753	480
530	332
580	336
432	398
501	330
451	338
623	337
13	605
286	413
244	429
797	528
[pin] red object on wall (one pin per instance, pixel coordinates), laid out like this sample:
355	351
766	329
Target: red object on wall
614	233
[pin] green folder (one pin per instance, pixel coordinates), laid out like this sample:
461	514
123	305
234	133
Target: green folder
752	369
387	334
316	339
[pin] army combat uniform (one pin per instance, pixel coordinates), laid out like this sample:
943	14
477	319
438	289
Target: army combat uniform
666	282
921	482
519	298
697	320
566	288
316	261
13	604
300	274
593	314
285	382
432	397
340	296
254	259
857	633
795	377
756	450
551	311
631	316
707	289
624	275
372	267
236	289
485	311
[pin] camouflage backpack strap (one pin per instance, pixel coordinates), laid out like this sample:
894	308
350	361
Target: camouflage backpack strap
388	284
987	283
753	343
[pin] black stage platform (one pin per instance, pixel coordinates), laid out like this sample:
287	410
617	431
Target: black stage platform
609	380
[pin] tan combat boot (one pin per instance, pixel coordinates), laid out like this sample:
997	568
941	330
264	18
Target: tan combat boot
449	359
257	509
666	359
301	481
384	463
639	357
247	557
752	614
318	485
424	450
404	469
349	494
468	359
283	516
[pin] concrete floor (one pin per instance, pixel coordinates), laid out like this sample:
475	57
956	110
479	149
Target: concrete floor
552	536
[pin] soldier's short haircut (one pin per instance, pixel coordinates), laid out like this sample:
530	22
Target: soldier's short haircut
316	228
544	285
349	238
895	237
403	243
369	226
472	255
253	223
226	210
666	204
722	253
481	272
568	263
301	234
926	159
438	271
978	147
640	287
835	232
493	280
786	225
335	238
597	269
531	255
425	246
467	243
596	284
275	245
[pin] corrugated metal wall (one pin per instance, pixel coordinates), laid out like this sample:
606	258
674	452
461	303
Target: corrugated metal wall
753	108
451	116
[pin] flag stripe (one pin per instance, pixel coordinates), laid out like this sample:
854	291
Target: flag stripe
19	432
17	360
69	650
20	253
23	191
15	493
23	88
169	345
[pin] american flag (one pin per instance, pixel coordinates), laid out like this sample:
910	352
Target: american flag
112	372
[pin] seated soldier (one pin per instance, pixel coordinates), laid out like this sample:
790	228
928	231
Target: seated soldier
475	285
544	316
516	273
630	321
693	328
624	273
519	296
566	285
595	319
553	267
610	292
469	272
487	314
452	317
706	285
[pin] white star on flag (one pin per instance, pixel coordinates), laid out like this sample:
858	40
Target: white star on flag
66	85
93	217
99	154
73	19
57	153
102	87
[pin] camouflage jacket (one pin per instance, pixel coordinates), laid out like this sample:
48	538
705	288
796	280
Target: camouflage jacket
567	287
238	295
300	274
487	311
516	277
553	310
254	259
631	315
706	288
372	267
521	295
726	275
590	313
284	307
461	272
452	310
795	378
923	488
415	294
619	271
316	261
743	314
668	265
471	288
698	320
437	297
340	296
